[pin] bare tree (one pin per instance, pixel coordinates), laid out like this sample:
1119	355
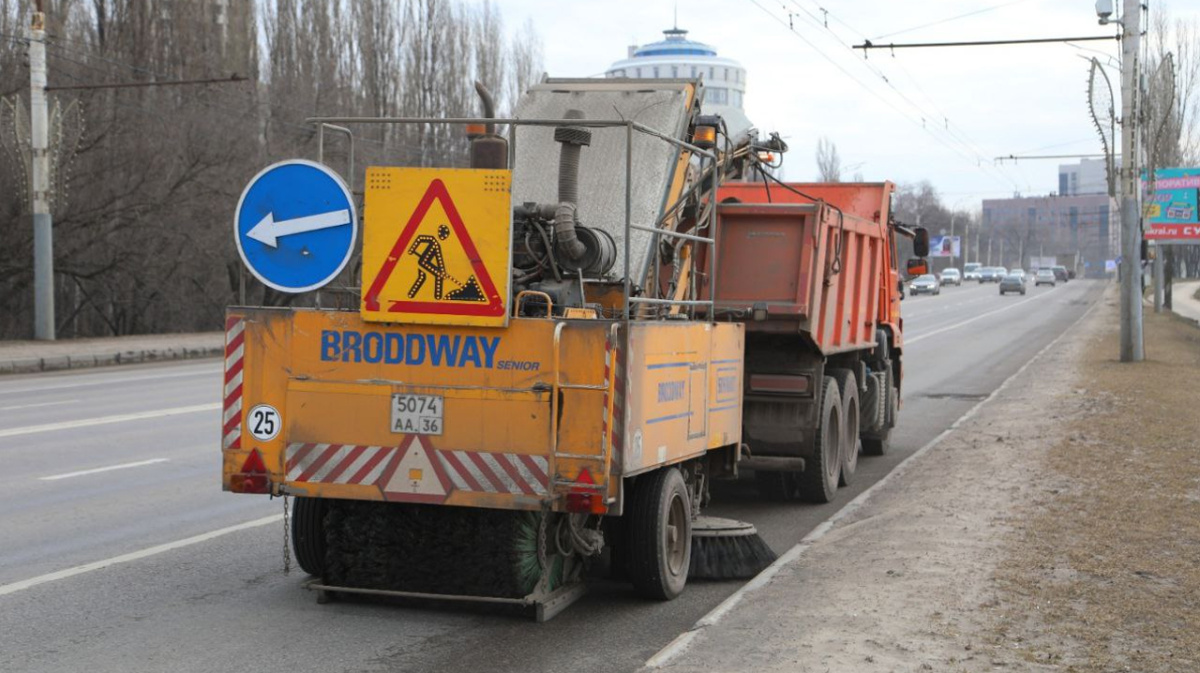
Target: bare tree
526	60
829	164
143	240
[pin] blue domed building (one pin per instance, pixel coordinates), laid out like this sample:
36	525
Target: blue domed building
676	56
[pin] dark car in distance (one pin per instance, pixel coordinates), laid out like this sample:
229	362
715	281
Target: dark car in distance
1060	273
1012	283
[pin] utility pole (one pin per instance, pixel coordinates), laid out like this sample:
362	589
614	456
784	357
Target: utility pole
43	245
1131	230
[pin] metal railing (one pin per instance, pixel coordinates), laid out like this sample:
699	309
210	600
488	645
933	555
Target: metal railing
340	124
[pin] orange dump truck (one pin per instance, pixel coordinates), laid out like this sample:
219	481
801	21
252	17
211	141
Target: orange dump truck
811	270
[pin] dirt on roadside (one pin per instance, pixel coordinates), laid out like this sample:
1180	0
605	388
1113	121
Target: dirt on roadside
1056	529
1103	572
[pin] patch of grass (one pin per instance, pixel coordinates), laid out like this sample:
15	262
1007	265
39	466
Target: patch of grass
1111	564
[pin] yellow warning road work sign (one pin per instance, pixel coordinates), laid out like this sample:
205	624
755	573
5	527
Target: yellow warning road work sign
437	246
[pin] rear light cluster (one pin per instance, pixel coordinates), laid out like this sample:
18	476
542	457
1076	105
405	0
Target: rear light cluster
253	478
585	497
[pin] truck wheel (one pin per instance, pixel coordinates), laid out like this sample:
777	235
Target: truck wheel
819	480
850	423
871	404
660	535
877	443
308	534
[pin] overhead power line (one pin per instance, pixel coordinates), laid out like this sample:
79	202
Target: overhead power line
867	44
952	130
936	125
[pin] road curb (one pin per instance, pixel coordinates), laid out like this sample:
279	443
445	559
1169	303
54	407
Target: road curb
684	641
32	365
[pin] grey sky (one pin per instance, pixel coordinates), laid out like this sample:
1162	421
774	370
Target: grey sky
947	113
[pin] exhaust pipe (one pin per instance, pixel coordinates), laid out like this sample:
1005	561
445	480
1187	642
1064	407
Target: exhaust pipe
572	139
489	150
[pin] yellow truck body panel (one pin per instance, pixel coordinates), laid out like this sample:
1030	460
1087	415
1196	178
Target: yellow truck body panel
518	417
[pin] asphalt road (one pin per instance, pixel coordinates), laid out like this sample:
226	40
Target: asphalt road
112	464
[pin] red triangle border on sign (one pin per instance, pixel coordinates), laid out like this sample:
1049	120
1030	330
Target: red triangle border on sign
434	461
495	305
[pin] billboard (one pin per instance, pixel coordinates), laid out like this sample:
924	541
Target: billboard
1171	209
945	246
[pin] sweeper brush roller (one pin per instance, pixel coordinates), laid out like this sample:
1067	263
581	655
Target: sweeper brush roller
724	549
432	549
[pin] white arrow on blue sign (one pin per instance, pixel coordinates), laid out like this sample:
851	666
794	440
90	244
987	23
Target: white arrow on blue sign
295	226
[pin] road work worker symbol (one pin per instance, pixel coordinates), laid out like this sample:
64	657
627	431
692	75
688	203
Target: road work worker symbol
430	263
436	246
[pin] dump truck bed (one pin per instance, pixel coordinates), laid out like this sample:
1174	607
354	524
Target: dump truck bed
818	266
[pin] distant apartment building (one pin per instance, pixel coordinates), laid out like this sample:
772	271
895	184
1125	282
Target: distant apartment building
1078	222
1080	227
1086	177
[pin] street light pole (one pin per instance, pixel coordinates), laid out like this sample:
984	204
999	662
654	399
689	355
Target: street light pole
43	245
1131	230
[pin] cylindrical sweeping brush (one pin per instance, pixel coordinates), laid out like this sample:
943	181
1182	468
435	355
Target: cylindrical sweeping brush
724	549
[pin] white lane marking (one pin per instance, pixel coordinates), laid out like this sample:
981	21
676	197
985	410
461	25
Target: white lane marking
981	316
683	641
22	585
39	404
122	466
207	371
105	420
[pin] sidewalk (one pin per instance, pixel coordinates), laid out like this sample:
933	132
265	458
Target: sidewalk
1037	535
1183	300
38	356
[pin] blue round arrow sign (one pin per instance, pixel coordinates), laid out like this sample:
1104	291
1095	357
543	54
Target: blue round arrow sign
295	225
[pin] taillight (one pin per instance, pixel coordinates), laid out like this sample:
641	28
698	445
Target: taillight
252	478
585	497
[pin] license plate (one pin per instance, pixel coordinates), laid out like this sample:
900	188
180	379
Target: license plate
417	414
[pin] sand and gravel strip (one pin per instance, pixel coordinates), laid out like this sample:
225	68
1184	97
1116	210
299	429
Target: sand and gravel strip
1057	530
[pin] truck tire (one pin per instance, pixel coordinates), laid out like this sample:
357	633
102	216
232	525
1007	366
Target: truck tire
877	443
871	416
819	481
851	420
660	535
308	534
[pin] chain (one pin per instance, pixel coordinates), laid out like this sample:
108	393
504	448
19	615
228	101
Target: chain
287	548
541	549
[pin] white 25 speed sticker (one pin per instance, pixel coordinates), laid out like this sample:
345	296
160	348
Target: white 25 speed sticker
264	422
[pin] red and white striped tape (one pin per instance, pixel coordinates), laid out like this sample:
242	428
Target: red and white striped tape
478	471
336	463
475	471
618	420
235	349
